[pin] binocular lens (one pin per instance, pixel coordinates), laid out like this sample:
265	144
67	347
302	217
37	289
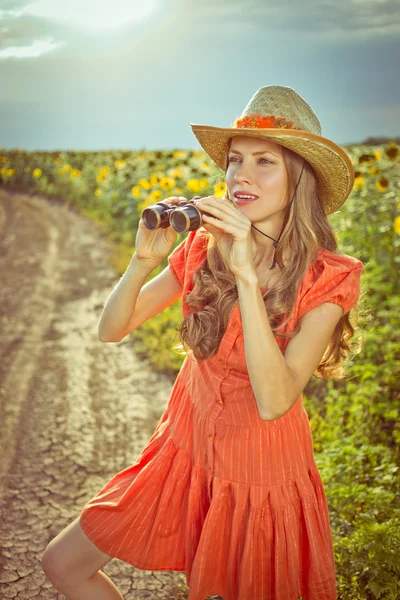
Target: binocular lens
150	220
185	219
157	215
182	217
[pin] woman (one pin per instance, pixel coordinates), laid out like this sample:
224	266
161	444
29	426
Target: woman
227	489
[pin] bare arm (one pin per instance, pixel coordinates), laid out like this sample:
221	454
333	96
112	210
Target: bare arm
131	303
277	380
122	300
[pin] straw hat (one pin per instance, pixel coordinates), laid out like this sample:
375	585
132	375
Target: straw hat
279	114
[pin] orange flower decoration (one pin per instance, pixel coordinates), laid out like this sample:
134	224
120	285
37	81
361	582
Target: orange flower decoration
269	121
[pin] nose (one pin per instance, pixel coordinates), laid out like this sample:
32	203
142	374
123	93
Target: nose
242	173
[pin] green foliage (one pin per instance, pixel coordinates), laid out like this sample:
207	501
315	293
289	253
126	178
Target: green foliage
354	421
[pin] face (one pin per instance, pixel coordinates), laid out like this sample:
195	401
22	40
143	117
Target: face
256	166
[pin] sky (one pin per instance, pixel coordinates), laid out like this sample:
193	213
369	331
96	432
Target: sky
128	74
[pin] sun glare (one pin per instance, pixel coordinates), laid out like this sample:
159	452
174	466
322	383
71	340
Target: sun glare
93	14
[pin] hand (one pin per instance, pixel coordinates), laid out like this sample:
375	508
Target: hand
232	231
153	245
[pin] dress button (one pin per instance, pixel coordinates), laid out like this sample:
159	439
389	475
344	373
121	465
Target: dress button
235	324
211	437
227	371
221	402
221	360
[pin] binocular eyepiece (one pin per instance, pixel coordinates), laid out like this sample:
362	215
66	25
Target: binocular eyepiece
184	216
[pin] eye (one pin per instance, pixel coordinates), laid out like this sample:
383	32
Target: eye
231	159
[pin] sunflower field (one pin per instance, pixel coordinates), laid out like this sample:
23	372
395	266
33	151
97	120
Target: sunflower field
354	421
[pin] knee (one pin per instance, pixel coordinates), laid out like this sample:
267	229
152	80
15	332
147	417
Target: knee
52	563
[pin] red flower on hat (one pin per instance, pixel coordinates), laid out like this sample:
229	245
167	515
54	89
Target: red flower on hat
268	121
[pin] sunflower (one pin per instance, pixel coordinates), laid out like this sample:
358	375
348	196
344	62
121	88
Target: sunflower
146	185
359	183
219	189
193	185
135	191
167	183
155	196
392	151
382	184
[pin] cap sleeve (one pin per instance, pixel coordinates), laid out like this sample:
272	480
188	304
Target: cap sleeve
333	278
187	256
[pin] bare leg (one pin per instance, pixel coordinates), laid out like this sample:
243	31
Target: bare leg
72	563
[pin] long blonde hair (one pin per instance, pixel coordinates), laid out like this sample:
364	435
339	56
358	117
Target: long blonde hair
215	291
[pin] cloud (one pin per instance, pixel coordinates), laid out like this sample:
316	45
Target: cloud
23	30
13	5
310	16
19	29
238	20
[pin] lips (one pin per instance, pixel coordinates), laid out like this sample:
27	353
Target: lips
243	201
244	193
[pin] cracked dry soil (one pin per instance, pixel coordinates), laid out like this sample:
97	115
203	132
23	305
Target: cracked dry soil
73	411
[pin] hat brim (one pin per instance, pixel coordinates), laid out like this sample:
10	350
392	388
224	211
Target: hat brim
332	165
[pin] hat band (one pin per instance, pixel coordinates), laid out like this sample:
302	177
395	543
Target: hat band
264	122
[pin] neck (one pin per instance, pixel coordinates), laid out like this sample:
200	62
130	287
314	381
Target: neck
266	241
264	244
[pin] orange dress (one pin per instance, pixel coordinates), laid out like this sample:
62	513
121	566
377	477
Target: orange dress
234	501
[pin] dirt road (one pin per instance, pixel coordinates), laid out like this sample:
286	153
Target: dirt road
73	411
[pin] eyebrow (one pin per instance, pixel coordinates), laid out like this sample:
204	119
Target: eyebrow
255	153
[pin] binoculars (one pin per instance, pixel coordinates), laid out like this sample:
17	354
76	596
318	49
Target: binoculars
184	216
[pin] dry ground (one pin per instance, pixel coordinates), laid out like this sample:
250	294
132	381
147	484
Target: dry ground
73	411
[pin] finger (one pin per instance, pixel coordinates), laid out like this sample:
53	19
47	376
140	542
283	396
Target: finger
227	226
175	199
217	233
221	204
220	211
